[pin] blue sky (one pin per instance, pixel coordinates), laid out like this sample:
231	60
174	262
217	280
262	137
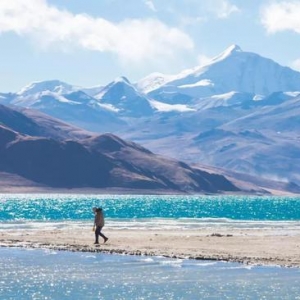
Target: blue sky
91	42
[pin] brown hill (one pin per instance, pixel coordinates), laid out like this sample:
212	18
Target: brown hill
100	162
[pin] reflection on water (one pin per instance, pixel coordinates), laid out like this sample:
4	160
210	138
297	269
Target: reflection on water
47	274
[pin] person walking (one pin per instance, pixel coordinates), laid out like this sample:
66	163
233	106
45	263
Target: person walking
99	224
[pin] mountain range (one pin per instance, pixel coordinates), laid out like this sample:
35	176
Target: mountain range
239	112
46	152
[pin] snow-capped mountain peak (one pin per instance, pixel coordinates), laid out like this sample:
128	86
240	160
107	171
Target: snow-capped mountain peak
232	70
123	95
156	80
121	79
231	50
119	87
228	53
55	86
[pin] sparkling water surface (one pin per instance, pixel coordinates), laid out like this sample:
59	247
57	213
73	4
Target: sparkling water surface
45	274
150	212
78	207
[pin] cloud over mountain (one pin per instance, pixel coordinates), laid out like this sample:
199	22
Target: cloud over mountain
224	9
131	39
281	16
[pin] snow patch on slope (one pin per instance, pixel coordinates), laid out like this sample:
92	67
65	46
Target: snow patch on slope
203	82
164	107
153	81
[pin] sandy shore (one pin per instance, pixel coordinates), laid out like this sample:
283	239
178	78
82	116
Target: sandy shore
250	246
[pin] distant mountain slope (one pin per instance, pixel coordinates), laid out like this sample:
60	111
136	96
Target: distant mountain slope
240	112
279	113
125	99
74	107
97	162
153	81
34	123
259	140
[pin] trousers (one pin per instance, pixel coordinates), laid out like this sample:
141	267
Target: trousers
98	232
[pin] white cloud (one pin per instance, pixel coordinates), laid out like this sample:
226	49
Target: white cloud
196	10
131	40
150	5
281	16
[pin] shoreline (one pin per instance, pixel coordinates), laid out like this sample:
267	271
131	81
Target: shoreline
253	247
124	191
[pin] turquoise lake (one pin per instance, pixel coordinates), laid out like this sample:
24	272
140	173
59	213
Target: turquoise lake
47	274
78	207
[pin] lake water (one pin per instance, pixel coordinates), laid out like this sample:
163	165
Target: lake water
46	274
